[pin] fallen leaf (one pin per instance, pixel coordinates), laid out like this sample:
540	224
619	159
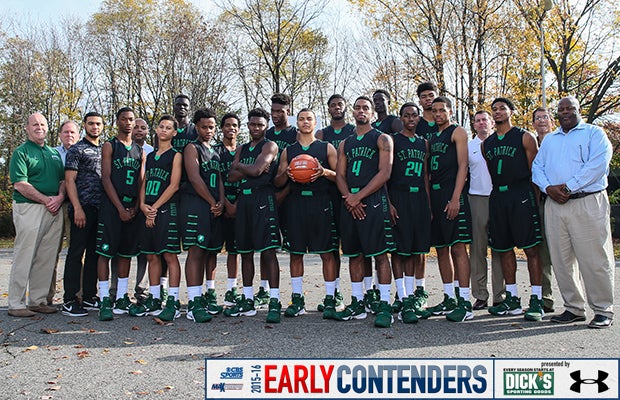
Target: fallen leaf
30	348
75	322
181	330
83	354
128	342
49	330
105	351
225	333
141	362
53	388
268	327
51	382
163	323
218	355
201	368
47	397
158	338
138	372
78	346
135	328
142	393
169	387
53	348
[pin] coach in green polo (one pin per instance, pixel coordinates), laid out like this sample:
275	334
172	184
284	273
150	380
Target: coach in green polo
37	174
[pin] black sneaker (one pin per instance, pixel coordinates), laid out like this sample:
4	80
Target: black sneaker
600	321
567	317
73	309
92	303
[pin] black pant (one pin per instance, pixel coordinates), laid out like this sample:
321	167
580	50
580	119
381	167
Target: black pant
82	239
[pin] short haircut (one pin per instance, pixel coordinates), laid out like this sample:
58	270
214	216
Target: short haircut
168	117
335	96
506	101
69	121
424	86
384	92
281	98
306	109
367	99
182	96
203	113
409	104
258	112
539	109
124	110
92	114
229	115
482	112
443	99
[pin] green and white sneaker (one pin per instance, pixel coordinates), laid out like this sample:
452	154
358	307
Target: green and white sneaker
297	307
372	298
171	311
510	306
244	307
445	307
105	310
407	313
231	297
462	312
535	312
273	315
355	310
384	317
261	298
196	312
420	296
329	309
339	305
397	305
149	306
209	302
121	306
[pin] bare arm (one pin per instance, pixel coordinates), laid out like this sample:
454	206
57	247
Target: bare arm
190	159
268	153
282	175
459	137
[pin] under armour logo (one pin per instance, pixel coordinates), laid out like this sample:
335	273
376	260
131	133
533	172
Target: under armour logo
576	387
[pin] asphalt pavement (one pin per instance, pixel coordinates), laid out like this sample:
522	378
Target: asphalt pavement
59	357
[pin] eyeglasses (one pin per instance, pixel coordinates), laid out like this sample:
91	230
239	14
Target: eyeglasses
542	118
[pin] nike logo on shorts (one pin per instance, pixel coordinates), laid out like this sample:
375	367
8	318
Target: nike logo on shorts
262	207
377	205
523	202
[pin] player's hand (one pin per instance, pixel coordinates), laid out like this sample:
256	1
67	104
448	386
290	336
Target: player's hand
79	218
289	174
149	211
557	194
452	209
318	172
358	212
351	200
230	210
217	209
150	222
393	214
126	214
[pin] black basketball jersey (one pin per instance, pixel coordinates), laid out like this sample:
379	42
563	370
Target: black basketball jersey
385	126
283	138
248	155
362	155
442	162
231	189
184	136
408	165
317	149
506	158
157	175
425	128
126	164
209	167
330	135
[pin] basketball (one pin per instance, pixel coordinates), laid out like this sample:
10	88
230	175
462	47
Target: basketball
303	167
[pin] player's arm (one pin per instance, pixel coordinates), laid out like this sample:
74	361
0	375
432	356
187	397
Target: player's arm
106	181
530	144
386	158
175	182
235	175
427	181
459	137
268	153
341	171
79	217
192	167
283	173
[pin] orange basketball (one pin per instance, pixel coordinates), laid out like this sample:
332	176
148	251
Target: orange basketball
303	167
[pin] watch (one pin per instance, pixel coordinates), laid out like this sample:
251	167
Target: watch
566	190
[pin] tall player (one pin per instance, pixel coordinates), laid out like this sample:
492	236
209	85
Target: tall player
122	172
451	225
408	188
364	167
256	226
312	229
513	210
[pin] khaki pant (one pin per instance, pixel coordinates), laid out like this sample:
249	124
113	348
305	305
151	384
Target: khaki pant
579	239
545	260
479	206
38	235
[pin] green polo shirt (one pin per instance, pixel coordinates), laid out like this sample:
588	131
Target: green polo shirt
41	166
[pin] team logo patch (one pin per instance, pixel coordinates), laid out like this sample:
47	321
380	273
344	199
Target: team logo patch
201	238
105	247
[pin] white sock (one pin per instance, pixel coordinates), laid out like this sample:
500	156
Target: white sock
357	290
330	288
464	292
537	291
121	287
337	284
264	283
194	291
231	283
409	285
274	293
367	283
384	289
248	292
174	291
420	282
156	291
297	284
104	288
400	288
210	285
456	284
163	281
448	288
512	289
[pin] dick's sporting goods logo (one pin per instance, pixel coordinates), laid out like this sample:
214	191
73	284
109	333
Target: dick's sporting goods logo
528	383
600	381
